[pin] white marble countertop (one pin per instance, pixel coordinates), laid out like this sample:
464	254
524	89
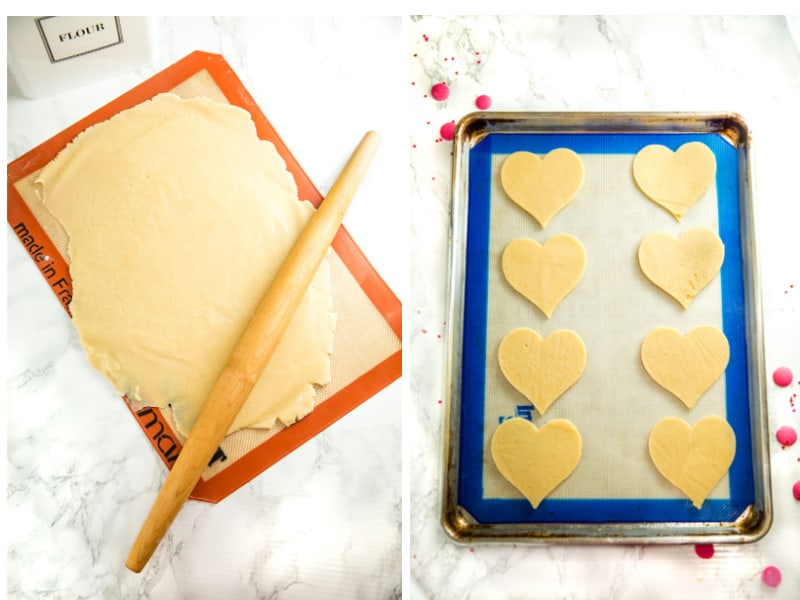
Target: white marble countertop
746	65
322	523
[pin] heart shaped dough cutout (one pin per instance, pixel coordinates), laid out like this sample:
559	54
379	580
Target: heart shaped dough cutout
675	180
542	369
544	273
693	459
682	266
686	365
542	186
536	460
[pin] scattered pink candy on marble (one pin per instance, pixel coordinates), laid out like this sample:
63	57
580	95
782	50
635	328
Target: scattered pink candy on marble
782	376
786	436
448	131
771	576
483	102
440	91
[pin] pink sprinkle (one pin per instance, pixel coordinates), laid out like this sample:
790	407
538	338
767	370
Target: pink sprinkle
704	550
796	490
771	576
440	91
483	102
448	131
786	436
782	376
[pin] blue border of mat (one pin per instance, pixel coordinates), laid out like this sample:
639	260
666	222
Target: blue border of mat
470	479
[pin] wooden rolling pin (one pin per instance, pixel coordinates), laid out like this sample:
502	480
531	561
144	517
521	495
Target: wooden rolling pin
253	351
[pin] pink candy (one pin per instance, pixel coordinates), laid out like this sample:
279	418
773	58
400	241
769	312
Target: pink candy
771	576
704	550
782	376
796	490
483	102
440	91
786	436
448	131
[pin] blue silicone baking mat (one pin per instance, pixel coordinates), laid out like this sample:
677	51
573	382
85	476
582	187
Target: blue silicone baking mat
614	404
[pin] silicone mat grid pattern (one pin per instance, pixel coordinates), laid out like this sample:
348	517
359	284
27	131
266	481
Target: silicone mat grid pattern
615	404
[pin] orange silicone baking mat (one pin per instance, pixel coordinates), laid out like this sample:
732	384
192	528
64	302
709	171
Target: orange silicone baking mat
367	347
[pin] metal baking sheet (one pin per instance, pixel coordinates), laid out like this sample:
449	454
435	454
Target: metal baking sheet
615	494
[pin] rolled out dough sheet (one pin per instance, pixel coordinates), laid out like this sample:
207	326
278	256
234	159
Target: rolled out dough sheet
178	219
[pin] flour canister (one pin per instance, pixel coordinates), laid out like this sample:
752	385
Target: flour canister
49	55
